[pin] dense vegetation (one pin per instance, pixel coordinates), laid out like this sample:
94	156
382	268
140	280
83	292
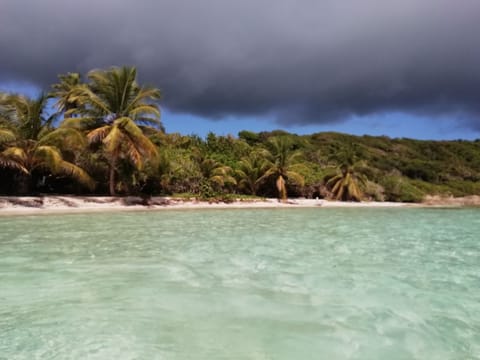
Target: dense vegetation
105	137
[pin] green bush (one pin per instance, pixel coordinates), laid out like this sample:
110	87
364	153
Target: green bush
400	189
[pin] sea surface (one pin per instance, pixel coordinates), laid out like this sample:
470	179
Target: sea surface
242	284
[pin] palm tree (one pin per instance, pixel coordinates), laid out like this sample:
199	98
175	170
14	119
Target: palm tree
28	116
251	170
345	185
32	148
282	160
31	155
64	91
216	173
112	108
6	111
6	161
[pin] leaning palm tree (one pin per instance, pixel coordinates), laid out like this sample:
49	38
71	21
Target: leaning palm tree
282	162
31	155
251	170
112	108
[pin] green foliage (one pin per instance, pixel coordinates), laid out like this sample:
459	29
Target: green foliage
398	188
251	170
110	108
111	135
26	116
283	160
249	137
207	191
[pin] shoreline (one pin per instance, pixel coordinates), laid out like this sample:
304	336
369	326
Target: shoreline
35	205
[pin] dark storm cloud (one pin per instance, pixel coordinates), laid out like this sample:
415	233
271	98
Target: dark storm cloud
301	61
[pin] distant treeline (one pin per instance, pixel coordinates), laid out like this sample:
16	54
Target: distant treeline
106	137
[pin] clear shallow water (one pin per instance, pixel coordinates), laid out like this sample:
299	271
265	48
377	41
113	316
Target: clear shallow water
242	284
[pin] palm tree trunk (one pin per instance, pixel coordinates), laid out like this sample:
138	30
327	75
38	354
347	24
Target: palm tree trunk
111	181
282	190
25	184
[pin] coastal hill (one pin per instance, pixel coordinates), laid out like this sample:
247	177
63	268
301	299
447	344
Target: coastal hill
395	169
400	170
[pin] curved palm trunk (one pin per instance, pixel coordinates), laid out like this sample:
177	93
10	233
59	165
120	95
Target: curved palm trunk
282	189
111	179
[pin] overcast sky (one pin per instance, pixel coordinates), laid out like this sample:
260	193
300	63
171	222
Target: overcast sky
402	68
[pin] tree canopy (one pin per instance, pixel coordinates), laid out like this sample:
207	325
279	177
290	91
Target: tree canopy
104	136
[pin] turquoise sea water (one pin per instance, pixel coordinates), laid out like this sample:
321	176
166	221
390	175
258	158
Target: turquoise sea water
242	284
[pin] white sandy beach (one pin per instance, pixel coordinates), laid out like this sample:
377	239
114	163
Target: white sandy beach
18	205
12	205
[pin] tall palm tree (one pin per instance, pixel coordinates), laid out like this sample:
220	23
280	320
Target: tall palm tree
251	170
112	108
282	162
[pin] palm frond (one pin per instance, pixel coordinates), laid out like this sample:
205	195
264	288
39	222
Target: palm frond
270	172
113	138
77	173
63	90
296	178
48	157
134	154
144	109
83	95
65	138
80	123
136	136
153	123
11	163
99	134
139	100
16	153
333	179
6	136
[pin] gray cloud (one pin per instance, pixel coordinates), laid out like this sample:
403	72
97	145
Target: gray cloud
306	61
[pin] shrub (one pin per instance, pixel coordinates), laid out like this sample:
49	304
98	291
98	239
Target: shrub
400	189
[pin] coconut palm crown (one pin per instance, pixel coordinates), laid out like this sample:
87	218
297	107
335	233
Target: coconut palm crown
346	184
282	162
251	170
27	115
64	93
30	148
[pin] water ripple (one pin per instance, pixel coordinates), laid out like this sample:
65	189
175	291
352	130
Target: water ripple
242	284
